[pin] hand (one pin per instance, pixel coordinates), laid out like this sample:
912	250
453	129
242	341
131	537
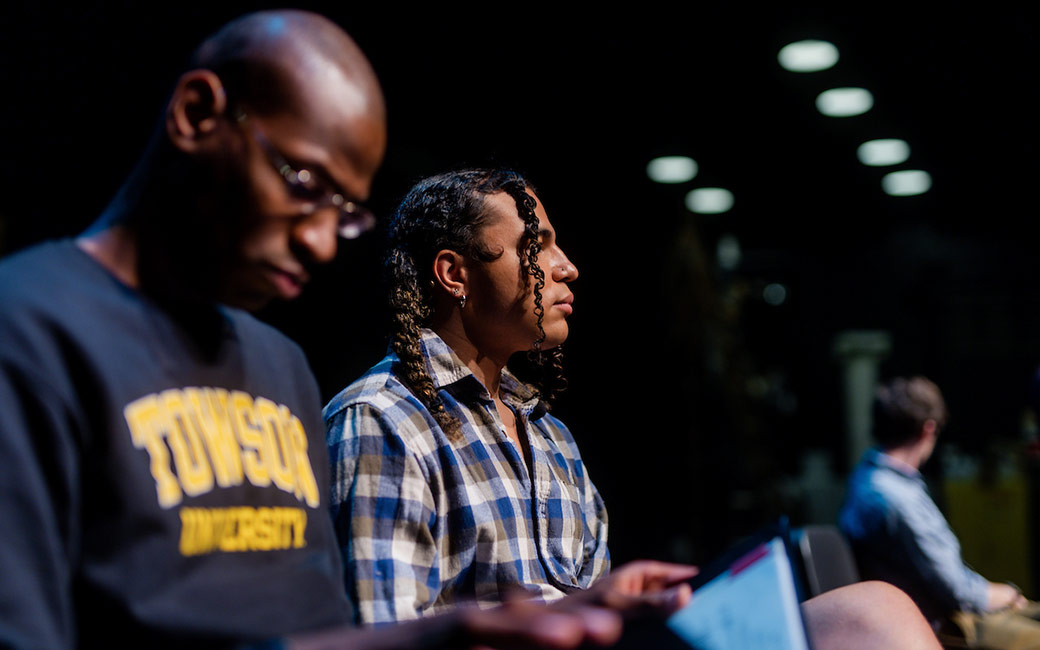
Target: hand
518	624
639	588
528	624
1004	596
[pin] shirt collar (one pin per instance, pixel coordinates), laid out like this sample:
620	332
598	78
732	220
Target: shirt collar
445	368
881	459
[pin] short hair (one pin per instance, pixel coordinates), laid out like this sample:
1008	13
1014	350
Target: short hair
902	406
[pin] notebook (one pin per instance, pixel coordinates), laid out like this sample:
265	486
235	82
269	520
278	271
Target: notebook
747	599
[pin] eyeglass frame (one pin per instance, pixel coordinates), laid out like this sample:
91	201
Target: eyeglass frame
354	219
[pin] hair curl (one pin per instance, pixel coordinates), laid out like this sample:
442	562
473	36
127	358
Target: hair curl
448	211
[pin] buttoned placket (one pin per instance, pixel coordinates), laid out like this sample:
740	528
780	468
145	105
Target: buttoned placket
516	456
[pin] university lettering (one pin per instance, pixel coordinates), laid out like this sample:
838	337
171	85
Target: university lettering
201	438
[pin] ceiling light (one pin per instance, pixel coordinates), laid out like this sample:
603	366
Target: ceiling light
879	153
709	200
808	56
845	102
672	169
908	182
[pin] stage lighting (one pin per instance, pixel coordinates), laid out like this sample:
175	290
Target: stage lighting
808	56
672	169
709	200
880	153
844	102
908	182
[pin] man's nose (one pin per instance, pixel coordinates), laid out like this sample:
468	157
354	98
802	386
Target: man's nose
317	234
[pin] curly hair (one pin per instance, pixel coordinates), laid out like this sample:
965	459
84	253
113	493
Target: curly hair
448	211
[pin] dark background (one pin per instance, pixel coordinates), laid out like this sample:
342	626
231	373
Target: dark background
692	399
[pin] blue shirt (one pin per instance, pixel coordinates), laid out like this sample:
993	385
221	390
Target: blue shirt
425	522
899	536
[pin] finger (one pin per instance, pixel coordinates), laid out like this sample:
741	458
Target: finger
601	626
658	603
667	601
646	575
665	571
524	625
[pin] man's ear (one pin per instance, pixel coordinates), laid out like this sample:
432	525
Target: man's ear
195	110
930	429
450	272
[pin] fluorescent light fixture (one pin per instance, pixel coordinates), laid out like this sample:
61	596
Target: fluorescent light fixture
672	169
808	56
880	153
844	102
774	294
908	182
709	200
727	252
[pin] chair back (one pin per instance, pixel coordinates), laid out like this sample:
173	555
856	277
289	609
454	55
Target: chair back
826	557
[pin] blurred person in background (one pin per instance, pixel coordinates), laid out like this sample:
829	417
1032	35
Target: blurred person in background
899	535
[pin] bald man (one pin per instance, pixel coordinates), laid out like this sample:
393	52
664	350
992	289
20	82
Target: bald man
164	469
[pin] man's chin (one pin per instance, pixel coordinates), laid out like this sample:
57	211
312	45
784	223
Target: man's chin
251	301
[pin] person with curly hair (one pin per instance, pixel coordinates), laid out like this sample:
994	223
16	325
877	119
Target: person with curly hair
452	481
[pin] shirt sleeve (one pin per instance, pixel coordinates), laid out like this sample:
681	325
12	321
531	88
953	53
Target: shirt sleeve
38	527
936	554
384	513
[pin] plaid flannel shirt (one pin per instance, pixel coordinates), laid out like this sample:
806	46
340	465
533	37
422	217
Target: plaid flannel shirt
425	523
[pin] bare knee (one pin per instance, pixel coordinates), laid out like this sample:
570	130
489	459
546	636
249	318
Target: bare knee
867	615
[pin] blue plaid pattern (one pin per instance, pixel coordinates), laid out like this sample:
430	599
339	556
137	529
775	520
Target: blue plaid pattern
425	523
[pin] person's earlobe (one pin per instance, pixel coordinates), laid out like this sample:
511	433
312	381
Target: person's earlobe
450	272
196	107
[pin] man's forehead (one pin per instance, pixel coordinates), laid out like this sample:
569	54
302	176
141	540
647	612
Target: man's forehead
328	88
336	124
503	207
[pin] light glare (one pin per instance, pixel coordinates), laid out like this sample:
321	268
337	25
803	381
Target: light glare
808	56
672	169
709	200
908	182
774	294
844	102
727	252
880	153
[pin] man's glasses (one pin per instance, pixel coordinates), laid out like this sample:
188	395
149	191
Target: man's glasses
354	218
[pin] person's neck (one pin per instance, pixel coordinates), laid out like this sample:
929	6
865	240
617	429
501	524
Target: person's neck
113	245
909	455
487	368
133	242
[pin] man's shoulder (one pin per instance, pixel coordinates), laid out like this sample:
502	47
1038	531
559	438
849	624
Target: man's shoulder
379	404
31	277
880	496
52	295
379	388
